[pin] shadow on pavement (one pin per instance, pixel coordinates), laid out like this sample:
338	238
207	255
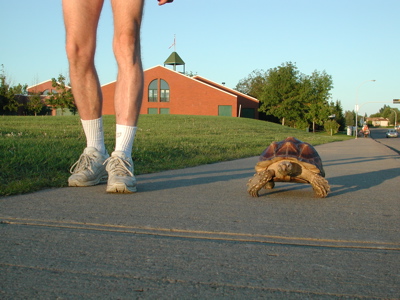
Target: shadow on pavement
171	181
355	182
356	160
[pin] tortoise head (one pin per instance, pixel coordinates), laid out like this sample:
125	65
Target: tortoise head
285	168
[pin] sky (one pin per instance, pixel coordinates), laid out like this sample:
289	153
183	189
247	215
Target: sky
354	41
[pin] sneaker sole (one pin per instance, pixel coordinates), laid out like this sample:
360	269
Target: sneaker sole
77	183
121	189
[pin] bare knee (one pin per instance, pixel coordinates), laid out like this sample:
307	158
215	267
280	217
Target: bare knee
80	55
126	47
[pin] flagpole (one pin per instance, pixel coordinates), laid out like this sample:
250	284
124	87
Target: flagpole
174	44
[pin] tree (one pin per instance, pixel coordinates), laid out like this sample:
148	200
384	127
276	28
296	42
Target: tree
350	118
62	97
385	111
331	126
3	89
280	96
316	94
253	85
290	96
12	95
9	103
335	108
376	115
392	116
35	104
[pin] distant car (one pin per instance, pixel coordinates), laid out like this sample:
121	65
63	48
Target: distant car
391	133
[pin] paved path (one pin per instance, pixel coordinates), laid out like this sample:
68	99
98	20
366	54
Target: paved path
196	233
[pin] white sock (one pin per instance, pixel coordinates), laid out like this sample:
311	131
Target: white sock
94	134
125	136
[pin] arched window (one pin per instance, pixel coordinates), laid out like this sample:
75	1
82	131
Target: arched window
164	91
47	92
153	91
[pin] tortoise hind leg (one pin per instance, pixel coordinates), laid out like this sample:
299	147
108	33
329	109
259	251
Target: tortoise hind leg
320	186
259	180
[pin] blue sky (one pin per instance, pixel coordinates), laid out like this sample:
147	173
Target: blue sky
225	40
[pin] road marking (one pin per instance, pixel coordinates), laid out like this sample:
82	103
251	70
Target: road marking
207	235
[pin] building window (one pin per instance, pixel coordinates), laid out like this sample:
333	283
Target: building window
153	91
225	110
164	91
152	111
48	92
164	111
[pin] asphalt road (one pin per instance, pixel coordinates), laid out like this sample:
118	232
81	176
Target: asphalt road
378	134
195	233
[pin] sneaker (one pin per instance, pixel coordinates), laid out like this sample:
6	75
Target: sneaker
89	169
120	173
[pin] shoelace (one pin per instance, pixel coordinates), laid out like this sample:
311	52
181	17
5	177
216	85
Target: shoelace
82	164
118	166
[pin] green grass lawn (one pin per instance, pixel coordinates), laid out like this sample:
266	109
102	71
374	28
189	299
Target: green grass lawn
37	152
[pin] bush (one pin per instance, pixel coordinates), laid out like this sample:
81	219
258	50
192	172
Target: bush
331	127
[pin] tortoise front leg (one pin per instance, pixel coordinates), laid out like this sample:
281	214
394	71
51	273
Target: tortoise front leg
258	181
320	186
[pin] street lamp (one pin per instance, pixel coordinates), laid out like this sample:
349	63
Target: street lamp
373	80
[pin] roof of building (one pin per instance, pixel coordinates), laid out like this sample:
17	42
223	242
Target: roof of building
174	59
377	119
223	87
50	81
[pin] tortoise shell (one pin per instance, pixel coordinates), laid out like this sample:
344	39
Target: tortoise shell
294	150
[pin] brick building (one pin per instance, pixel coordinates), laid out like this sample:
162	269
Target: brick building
170	92
45	88
167	91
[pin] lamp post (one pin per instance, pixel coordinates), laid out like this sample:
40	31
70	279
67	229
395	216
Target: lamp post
373	80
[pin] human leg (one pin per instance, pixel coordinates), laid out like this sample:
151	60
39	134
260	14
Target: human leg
128	92
81	20
126	45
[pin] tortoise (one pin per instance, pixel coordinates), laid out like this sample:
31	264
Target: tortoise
290	160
